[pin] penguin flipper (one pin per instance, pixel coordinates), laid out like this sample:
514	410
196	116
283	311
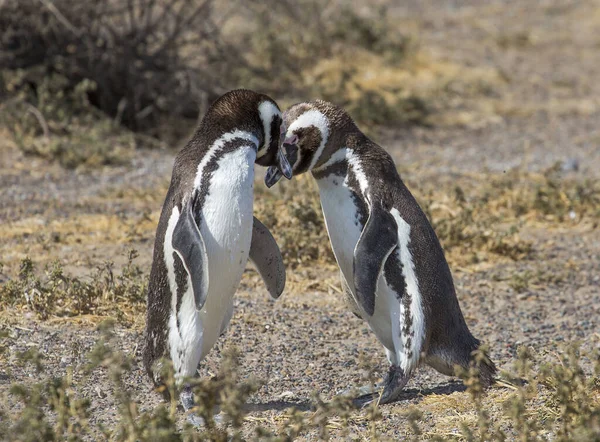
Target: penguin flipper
266	256
377	240
189	245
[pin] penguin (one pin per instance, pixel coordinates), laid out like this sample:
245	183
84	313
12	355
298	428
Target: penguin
393	268
207	232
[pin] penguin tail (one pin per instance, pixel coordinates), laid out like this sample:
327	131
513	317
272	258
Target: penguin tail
470	355
486	367
480	359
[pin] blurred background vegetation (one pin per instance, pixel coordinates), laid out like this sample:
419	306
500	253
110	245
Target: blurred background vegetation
87	82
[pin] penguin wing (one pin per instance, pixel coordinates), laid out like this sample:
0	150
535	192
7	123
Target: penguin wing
377	240
266	256
189	245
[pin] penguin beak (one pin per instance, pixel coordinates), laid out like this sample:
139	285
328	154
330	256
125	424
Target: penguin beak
272	176
282	167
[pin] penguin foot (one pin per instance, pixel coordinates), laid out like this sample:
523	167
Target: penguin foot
198	421
365	390
365	399
195	420
186	397
187	401
393	384
366	394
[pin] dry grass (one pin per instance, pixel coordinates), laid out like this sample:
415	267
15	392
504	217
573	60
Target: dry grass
104	293
478	222
557	401
477	217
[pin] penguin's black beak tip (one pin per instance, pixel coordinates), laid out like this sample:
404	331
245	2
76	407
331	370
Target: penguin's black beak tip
284	165
281	168
272	176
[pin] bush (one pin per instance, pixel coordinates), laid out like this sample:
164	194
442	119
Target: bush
560	401
64	295
148	61
134	52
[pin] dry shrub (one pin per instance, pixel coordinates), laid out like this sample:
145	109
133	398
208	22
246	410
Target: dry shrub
151	59
292	211
555	401
59	294
480	216
154	66
560	402
136	53
60	125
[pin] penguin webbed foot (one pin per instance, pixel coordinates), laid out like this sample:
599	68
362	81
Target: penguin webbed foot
187	401
186	398
392	385
365	400
395	382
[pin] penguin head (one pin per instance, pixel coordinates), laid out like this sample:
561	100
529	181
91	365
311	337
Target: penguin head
254	112
269	152
311	136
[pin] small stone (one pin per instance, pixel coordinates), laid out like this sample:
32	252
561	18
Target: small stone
286	395
99	392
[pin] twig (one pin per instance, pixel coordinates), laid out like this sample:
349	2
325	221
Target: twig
334	288
505	384
23	328
38	115
61	18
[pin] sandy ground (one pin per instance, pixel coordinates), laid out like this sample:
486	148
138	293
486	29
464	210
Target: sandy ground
308	341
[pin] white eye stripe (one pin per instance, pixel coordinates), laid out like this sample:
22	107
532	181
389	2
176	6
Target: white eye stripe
267	111
314	118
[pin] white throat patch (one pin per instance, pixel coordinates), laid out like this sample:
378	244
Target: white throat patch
314	118
338	156
267	111
216	147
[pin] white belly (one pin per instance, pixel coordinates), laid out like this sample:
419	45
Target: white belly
344	230
227	232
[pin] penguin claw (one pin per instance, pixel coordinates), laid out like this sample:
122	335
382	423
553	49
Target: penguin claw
365	390
382	393
365	400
